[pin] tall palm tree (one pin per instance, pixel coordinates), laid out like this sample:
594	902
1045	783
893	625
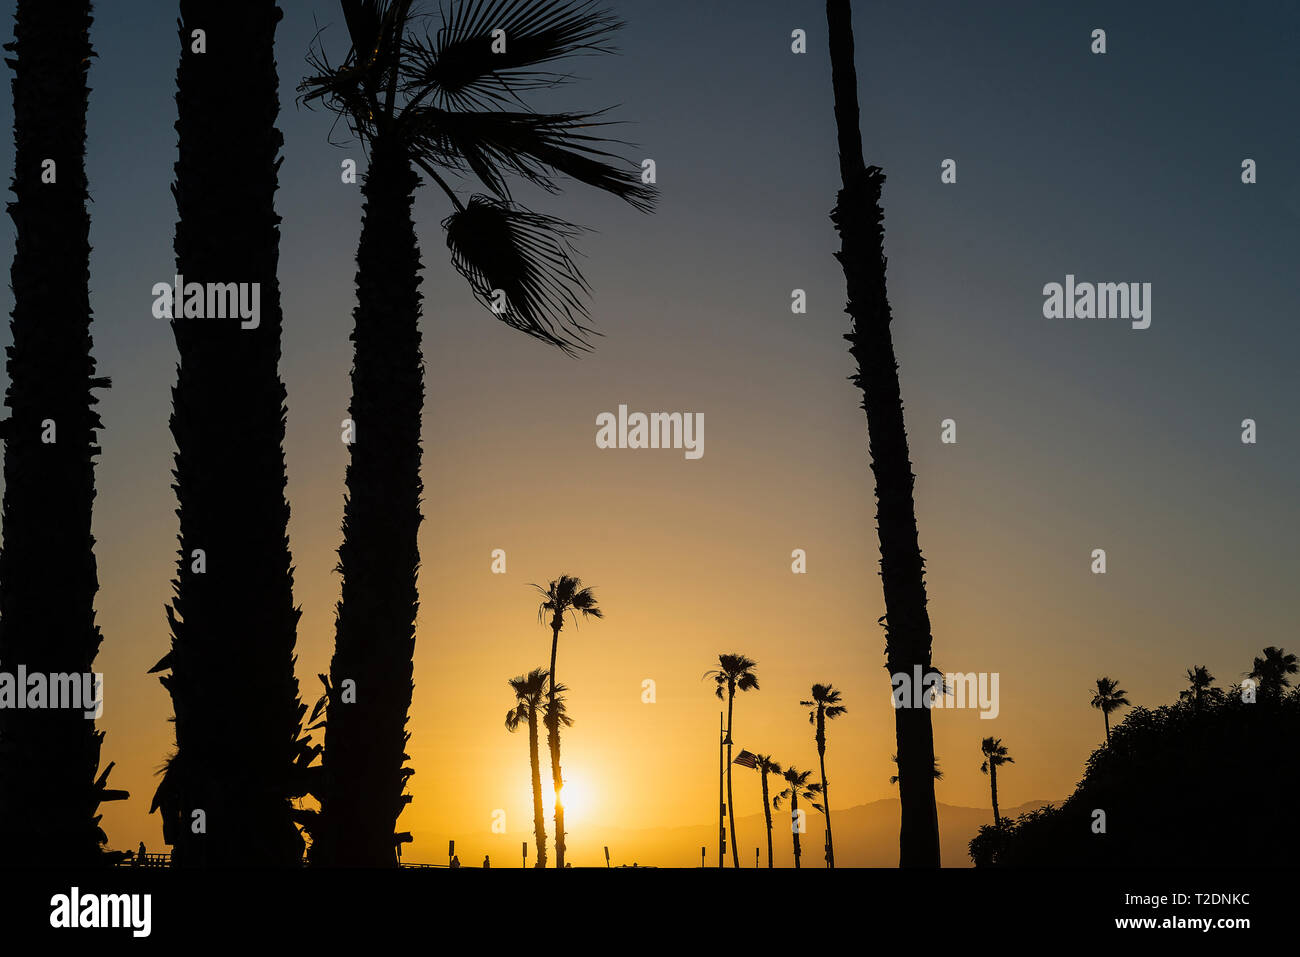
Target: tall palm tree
564	595
858	219
50	782
797	787
735	673
1109	697
1201	685
439	103
995	755
764	764
529	690
227	794
825	706
1271	672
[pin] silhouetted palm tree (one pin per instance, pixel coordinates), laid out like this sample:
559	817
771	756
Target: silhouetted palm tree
937	774
240	759
1109	697
565	595
50	782
529	690
440	103
764	764
1271	672
798	787
736	673
859	220
1201	686
995	755
825	706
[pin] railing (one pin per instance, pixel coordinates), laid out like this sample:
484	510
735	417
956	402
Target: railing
165	860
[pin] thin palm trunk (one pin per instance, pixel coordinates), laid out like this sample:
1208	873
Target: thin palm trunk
49	758
364	771
226	797
858	219
731	807
767	815
553	742
826	803
993	781
539	816
1105	716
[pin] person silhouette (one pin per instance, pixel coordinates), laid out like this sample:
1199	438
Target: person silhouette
486	862
139	856
455	861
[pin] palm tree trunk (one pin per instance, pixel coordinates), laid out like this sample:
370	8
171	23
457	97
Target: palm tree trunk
364	770
49	758
826	803
794	826
1105	716
993	781
539	817
239	756
731	805
553	742
767	815
858	219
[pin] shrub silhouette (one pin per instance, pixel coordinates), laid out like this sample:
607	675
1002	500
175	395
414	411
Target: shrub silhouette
1181	785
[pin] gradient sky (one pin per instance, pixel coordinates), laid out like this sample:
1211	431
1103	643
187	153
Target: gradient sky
1071	435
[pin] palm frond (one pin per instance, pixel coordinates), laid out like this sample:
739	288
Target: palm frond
459	67
497	245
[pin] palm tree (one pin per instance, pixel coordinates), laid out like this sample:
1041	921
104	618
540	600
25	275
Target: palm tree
1271	672
1201	684
995	755
1109	697
798	787
438	103
735	673
825	706
564	595
227	794
50	781
858	219
764	764
529	690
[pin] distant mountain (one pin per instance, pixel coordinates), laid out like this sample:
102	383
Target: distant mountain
865	836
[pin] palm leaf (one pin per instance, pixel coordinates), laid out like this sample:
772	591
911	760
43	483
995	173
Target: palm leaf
499	245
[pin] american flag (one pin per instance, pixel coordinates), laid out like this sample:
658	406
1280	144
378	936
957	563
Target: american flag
746	760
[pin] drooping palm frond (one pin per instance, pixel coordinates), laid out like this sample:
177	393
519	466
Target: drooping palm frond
734	669
567	594
459	66
497	245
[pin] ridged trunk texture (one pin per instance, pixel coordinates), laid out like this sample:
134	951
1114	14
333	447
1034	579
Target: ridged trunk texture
365	740
49	758
860	222
233	621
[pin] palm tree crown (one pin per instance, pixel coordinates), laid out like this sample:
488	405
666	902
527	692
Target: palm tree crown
995	754
452	100
1109	697
1271	671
